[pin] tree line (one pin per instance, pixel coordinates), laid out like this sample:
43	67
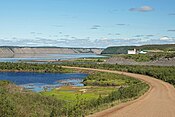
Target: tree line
165	73
27	67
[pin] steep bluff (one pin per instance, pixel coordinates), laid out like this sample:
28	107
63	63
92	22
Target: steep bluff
44	50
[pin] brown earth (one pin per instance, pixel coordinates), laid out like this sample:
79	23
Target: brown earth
159	101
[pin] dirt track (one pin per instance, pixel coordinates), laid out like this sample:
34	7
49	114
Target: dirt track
159	101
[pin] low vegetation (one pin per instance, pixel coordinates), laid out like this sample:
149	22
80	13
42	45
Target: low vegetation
67	101
166	74
70	93
85	100
90	60
17	103
108	79
137	57
151	56
25	67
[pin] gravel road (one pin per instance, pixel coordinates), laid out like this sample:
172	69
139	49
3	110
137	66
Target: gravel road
159	101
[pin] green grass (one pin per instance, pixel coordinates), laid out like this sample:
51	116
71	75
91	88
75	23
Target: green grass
108	79
90	60
70	94
98	84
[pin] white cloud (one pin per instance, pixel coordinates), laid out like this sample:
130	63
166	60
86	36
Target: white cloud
165	38
103	42
142	9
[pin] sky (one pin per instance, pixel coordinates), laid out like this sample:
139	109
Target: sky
86	23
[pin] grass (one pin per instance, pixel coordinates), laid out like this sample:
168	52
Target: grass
70	93
90	60
97	84
108	79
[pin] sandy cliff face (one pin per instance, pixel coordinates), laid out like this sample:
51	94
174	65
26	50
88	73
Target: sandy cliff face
43	51
6	51
27	50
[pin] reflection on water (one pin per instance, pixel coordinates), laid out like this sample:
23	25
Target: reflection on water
28	57
43	81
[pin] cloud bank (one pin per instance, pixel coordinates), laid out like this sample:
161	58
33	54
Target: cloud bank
101	43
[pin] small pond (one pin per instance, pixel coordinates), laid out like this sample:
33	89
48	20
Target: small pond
43	81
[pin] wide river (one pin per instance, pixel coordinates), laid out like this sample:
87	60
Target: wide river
43	81
33	57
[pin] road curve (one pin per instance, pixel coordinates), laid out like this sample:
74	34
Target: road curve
159	101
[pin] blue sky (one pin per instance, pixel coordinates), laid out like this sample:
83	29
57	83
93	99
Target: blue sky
86	23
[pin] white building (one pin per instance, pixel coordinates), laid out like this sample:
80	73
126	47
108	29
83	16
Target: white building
142	52
132	51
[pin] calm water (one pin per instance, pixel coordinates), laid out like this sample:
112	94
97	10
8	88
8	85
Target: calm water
40	81
29	57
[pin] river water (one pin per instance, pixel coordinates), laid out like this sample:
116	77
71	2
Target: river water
39	81
33	57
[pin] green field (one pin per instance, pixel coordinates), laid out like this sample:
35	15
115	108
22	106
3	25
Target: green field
97	84
71	94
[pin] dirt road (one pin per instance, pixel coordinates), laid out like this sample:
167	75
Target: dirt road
159	101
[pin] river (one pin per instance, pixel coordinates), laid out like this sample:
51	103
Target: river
33	57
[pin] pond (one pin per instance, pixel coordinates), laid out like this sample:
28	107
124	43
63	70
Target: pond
43	81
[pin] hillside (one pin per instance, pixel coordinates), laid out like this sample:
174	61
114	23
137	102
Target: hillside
8	50
16	102
124	49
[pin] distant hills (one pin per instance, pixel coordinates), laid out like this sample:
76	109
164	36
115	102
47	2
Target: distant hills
12	50
124	49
